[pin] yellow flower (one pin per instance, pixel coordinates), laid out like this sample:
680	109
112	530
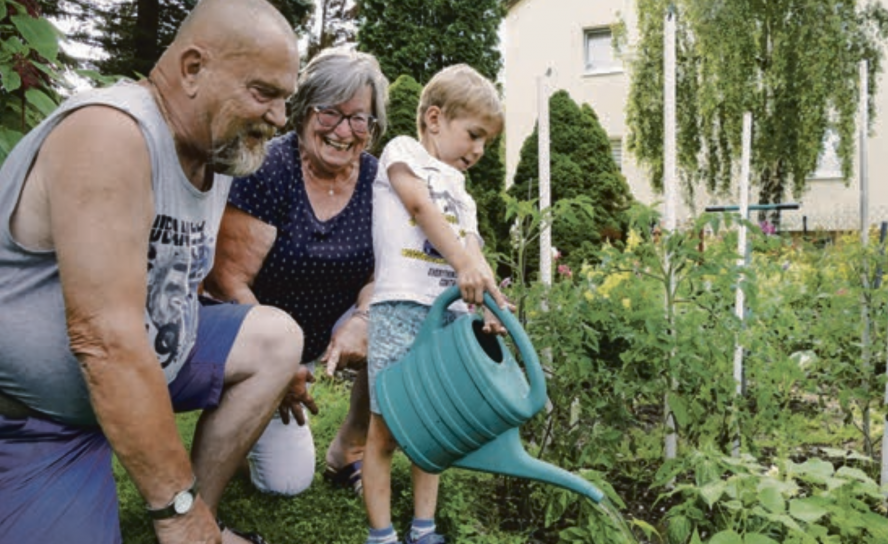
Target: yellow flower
627	303
633	240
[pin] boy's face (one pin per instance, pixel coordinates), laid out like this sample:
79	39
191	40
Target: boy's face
460	141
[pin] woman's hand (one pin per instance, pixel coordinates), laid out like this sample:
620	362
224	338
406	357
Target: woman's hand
348	345
298	396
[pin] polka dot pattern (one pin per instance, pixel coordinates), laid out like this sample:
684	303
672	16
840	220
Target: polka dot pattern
315	269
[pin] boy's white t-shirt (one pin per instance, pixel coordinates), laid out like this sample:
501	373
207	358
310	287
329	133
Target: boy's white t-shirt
407	265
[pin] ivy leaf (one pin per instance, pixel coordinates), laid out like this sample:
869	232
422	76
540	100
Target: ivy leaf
9	78
726	537
39	35
808	509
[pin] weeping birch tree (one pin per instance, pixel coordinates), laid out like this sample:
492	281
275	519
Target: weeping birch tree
792	63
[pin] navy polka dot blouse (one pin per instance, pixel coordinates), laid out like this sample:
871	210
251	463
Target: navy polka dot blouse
315	269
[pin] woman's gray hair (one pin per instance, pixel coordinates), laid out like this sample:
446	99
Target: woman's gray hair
334	76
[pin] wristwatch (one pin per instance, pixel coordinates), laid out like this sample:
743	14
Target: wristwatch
181	504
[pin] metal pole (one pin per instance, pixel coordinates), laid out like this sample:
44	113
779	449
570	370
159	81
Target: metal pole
545	181
670	193
740	302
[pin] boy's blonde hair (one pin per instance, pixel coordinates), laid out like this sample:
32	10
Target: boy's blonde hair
459	90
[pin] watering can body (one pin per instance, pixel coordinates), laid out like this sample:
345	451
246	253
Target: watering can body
458	397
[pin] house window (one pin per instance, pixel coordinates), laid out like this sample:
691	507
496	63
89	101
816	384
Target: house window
617	152
829	166
599	52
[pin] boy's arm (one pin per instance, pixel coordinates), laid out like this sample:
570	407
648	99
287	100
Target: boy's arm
473	274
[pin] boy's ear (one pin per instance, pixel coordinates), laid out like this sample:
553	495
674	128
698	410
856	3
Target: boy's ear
433	119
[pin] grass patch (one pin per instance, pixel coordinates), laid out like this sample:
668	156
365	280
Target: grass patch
468	509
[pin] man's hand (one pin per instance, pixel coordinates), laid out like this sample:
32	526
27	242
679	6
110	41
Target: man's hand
197	526
348	345
298	396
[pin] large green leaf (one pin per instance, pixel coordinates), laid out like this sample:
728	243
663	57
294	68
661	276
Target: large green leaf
679	409
726	537
9	78
808	509
40	100
39	35
758	538
2	9
771	498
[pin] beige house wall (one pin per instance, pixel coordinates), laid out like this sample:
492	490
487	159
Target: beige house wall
549	34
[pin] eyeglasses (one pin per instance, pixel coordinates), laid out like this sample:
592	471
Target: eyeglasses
360	123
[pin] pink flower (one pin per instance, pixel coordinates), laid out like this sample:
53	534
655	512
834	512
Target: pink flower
768	228
564	270
505	283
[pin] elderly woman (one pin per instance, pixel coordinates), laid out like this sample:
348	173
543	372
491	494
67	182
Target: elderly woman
297	235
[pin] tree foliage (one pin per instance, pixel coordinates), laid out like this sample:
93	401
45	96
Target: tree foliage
134	33
420	37
792	63
336	23
582	164
403	100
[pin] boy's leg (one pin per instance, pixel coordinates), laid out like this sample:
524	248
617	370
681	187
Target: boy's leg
377	473
425	493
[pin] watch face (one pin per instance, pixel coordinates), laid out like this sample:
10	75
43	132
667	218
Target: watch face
183	502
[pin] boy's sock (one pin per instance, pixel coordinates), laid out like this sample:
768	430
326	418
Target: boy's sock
383	536
421	527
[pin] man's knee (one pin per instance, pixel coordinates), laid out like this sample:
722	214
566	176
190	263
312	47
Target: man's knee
272	337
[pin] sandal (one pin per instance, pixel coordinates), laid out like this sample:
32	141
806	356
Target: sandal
255	538
348	476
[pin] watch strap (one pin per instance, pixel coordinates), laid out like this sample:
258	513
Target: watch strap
169	511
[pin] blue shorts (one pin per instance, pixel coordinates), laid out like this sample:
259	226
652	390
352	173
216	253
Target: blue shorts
393	328
56	483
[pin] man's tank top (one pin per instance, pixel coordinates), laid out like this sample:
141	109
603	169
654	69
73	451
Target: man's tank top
36	364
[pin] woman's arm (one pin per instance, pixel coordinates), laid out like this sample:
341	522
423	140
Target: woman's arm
244	242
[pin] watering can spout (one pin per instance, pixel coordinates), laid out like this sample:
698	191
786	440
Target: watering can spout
505	455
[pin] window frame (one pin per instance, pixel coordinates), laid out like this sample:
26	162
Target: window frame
615	64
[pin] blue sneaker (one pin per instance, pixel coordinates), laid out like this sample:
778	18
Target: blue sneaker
431	538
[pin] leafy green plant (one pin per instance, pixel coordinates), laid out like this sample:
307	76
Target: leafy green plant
727	500
29	46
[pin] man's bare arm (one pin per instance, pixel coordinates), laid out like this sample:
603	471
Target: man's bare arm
100	209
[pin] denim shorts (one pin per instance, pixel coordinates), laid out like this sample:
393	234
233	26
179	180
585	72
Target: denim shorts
393	328
56	479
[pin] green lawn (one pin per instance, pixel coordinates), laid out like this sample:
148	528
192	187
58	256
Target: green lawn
325	514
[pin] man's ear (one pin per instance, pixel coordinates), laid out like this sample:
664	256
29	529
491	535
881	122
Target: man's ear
192	62
433	119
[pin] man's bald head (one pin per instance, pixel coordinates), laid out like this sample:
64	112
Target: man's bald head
231	26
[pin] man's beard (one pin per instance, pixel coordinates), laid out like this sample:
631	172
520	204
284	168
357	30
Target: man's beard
238	156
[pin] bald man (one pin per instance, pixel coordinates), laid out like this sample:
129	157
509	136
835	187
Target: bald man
109	212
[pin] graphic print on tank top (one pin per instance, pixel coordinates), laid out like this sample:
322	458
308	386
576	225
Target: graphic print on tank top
179	258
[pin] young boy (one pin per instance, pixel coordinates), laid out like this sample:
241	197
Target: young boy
425	238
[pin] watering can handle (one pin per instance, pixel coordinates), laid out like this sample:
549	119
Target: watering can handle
532	366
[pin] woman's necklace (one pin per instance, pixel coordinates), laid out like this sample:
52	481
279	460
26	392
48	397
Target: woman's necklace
308	173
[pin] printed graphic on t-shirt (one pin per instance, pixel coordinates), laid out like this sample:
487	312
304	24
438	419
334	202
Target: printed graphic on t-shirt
179	258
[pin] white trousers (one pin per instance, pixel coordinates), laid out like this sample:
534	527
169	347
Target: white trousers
283	459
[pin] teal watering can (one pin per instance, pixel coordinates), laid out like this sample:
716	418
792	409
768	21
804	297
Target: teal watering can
458	397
